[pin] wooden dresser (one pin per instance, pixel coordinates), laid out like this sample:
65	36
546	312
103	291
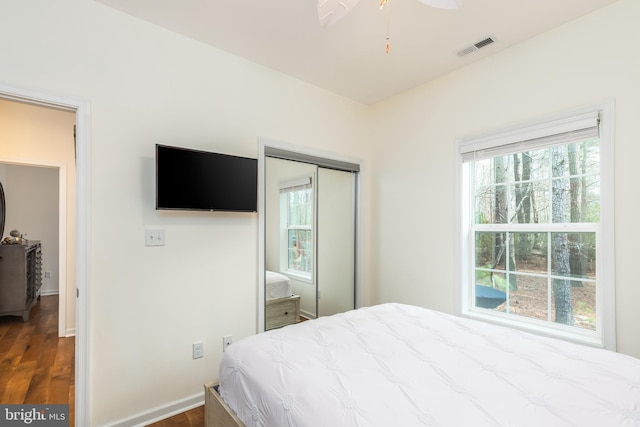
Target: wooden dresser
282	311
20	278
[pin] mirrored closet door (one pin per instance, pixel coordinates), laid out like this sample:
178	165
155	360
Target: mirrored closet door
310	234
335	241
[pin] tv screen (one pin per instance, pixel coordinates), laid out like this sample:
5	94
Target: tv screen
198	180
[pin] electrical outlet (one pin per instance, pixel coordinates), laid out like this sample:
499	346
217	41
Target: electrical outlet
226	342
154	237
198	350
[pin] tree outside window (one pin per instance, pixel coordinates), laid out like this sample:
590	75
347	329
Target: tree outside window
520	201
536	234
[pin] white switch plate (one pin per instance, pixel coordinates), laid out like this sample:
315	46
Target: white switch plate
154	238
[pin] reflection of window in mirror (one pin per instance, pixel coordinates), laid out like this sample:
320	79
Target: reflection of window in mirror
296	201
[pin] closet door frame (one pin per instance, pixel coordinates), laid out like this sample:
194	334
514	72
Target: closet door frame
273	148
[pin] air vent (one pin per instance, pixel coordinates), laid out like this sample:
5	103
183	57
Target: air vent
476	46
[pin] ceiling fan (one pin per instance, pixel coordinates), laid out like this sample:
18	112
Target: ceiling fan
331	11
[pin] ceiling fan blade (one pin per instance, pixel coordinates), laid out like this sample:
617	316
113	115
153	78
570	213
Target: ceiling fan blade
443	4
331	11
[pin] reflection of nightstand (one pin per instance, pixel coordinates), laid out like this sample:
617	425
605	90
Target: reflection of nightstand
283	311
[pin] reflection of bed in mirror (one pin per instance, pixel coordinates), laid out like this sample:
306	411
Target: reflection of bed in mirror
283	308
277	285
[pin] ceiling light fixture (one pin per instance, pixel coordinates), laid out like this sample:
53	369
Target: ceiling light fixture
331	11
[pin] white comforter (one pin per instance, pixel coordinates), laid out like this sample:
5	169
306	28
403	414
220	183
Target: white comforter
397	365
277	285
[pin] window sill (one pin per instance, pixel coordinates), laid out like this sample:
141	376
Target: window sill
298	277
550	330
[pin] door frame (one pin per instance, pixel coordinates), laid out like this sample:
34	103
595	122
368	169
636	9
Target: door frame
82	112
263	144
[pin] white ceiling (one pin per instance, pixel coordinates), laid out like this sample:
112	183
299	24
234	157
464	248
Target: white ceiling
349	57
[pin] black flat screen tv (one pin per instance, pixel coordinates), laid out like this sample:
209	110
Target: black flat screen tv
189	179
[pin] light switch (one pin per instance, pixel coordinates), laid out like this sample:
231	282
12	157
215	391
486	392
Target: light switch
154	238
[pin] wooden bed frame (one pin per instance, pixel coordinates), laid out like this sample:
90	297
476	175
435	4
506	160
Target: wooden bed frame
216	412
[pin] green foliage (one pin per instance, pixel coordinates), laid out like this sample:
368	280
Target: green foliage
484	246
482	218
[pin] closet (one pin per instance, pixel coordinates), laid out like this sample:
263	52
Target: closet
309	235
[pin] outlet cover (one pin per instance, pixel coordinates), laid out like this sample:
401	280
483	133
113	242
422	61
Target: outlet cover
198	350
226	342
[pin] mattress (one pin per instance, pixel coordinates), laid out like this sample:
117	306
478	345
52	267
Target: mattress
400	365
277	285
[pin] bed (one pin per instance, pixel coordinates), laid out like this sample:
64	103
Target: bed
277	285
400	365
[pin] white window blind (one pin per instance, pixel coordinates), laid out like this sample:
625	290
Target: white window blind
556	132
295	185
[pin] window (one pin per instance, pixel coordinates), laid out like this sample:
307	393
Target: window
297	231
534	250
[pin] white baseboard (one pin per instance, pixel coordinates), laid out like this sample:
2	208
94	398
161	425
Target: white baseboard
45	292
307	314
160	412
71	332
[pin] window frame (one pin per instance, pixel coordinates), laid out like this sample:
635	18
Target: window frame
605	335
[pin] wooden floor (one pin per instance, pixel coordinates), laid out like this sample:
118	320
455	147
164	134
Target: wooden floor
36	366
192	418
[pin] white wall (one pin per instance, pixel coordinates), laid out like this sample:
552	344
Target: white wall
32	208
580	63
146	85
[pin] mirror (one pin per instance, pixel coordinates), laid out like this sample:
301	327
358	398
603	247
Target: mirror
289	249
309	241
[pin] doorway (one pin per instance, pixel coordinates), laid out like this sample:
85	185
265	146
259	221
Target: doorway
37	167
308	229
78	293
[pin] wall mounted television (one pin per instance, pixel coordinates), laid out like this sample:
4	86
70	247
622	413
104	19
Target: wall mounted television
189	179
